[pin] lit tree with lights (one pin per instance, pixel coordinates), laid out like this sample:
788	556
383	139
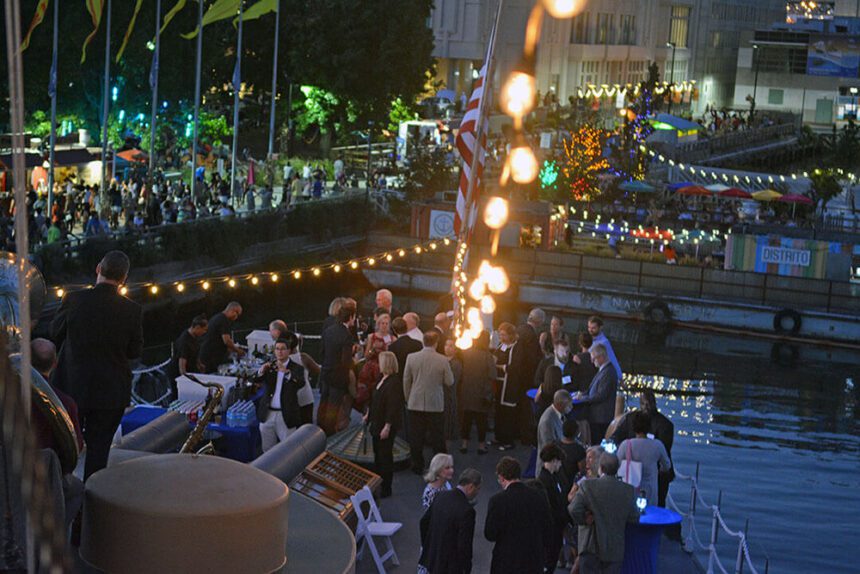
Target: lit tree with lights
629	162
581	164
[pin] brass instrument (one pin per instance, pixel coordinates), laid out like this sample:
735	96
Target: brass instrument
208	412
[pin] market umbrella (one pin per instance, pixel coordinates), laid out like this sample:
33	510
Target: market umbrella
133	155
794	199
676	186
636	186
734	192
717	187
694	190
766	195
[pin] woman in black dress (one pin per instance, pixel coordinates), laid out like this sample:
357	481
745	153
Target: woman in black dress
384	418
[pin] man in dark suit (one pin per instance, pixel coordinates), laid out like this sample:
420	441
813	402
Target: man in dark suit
528	341
278	412
441	324
448	528
663	430
337	351
98	331
604	505
518	521
404	345
601	394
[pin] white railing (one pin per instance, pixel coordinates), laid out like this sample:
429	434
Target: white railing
692	541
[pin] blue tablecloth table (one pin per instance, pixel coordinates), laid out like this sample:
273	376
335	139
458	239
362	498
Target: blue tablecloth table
642	541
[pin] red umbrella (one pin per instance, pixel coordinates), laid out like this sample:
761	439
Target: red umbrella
693	190
735	193
795	198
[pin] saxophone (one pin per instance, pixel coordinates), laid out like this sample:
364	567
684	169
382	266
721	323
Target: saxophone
208	412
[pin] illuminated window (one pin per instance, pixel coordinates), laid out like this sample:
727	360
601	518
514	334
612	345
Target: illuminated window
679	26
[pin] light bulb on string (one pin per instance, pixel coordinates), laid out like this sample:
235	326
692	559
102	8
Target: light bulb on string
488	304
123	290
274	277
371	261
231	282
389	257
180	287
60	293
316	271
354	264
205	285
562	9
297	274
154	289
463	343
401	253
254	280
522	163
497	280
477	289
517	96
336	268
496	213
418	249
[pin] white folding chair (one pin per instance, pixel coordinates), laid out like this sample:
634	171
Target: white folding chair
370	525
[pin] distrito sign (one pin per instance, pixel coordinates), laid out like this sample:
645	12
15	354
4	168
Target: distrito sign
785	256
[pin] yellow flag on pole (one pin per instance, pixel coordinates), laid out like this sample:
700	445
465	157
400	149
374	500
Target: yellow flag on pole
261	8
129	31
180	4
95	8
220	10
41	9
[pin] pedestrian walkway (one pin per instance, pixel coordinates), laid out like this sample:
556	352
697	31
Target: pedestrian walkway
405	506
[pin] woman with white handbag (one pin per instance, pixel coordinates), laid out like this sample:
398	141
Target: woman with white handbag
641	458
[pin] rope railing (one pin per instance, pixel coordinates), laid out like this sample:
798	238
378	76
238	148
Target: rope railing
693	542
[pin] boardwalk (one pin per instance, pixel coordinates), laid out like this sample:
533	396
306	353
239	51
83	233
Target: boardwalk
405	506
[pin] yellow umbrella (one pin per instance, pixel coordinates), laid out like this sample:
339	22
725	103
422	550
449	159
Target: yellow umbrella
766	195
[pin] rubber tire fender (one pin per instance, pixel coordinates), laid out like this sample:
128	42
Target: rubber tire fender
779	322
658	311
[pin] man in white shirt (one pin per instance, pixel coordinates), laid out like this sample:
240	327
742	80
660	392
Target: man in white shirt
595	329
279	410
413	331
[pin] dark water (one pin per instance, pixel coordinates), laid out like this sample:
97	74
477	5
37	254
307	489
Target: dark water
774	428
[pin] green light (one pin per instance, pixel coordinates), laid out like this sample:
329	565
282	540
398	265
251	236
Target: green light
548	174
661	126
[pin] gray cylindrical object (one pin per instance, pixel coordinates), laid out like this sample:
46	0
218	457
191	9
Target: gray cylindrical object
163	434
184	513
288	459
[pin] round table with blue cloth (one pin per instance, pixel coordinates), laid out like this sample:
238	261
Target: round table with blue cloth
642	540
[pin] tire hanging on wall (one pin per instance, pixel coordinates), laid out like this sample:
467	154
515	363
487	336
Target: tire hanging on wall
787	322
658	312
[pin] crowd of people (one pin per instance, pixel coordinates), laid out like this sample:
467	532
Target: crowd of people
402	379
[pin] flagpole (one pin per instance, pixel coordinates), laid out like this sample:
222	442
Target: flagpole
237	84
154	74
197	99
103	196
465	224
274	79
52	84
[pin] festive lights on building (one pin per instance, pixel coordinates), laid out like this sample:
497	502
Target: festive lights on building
255	279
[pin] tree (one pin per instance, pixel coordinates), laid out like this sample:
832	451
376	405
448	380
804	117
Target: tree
825	186
427	172
629	161
581	164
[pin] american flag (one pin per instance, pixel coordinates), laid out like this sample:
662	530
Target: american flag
466	140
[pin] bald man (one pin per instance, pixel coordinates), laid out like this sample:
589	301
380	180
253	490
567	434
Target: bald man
412	330
218	342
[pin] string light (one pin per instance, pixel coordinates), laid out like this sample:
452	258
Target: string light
255	279
563	8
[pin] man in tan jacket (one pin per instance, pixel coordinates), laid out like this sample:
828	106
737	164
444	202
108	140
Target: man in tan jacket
424	375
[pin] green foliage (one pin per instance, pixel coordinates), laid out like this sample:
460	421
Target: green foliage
825	186
400	112
427	173
318	108
39	123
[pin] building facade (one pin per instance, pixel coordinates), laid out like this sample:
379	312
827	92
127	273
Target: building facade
808	65
610	42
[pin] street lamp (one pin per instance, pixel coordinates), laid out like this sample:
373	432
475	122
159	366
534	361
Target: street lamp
671	73
755	81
